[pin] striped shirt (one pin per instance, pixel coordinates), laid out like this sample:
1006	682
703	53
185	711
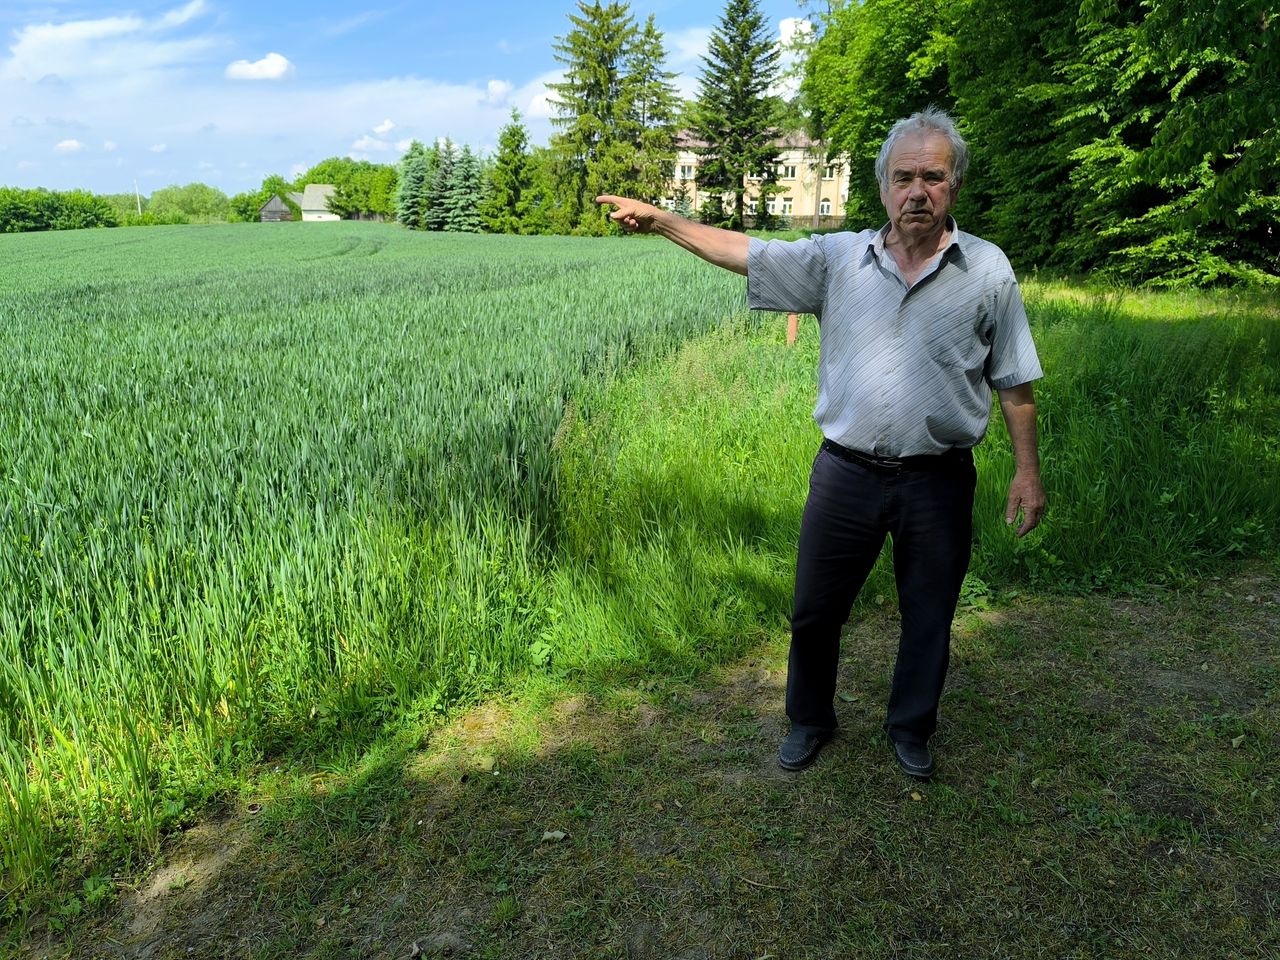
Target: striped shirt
901	372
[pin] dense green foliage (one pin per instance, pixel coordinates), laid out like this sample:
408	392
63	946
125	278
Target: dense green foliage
26	210
736	116
259	493
615	114
192	203
1134	139
506	204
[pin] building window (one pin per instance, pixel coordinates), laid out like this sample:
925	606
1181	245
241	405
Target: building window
786	206
787	171
751	207
829	172
824	207
686	171
772	205
669	204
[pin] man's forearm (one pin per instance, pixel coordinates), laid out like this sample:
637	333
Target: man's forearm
724	248
1018	406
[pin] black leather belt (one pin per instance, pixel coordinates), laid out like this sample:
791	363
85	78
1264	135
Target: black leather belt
930	461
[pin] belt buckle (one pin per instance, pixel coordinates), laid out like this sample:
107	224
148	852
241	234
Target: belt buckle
891	463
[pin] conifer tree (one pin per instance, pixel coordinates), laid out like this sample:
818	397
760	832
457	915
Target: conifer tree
654	105
464	194
438	184
593	110
736	116
411	198
510	179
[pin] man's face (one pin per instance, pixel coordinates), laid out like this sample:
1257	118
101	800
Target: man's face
919	194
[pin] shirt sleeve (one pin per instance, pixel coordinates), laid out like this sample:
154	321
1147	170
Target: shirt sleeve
1013	359
786	275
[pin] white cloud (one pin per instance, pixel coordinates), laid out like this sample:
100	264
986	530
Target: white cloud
108	145
271	67
536	96
68	146
385	127
403	145
175	18
298	169
107	48
497	91
158	147
367	143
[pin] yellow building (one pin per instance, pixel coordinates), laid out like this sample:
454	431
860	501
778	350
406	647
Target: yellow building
813	191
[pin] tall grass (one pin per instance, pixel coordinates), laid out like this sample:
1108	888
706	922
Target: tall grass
1160	423
264	487
274	488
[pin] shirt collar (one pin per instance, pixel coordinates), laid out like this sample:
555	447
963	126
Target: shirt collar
959	240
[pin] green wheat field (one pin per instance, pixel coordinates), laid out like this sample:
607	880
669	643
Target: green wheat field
268	489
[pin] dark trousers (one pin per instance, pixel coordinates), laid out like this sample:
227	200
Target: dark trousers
928	512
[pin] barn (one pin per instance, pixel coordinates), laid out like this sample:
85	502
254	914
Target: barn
275	210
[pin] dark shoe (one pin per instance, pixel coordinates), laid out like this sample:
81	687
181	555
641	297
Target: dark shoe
914	759
800	748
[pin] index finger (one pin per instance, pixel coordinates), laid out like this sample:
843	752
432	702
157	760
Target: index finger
609	198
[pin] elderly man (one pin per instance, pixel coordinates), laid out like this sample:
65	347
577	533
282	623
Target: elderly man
919	322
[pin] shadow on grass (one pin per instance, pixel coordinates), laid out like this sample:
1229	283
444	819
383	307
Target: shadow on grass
1104	790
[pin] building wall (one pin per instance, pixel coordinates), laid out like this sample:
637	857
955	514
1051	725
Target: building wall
315	215
805	177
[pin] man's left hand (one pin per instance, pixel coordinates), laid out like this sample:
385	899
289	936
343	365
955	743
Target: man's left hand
1026	494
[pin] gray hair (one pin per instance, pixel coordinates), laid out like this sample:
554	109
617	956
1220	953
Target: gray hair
928	120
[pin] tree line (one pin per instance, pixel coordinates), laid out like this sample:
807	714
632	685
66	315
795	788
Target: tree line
1133	139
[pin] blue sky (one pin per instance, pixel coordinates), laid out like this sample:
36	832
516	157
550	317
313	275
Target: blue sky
97	94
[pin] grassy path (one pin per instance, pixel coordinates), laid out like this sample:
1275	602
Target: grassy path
1107	788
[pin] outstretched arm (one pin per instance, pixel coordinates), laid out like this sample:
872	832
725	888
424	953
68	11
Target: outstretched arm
1026	492
724	248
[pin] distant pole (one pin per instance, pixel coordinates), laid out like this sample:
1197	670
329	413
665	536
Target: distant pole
137	196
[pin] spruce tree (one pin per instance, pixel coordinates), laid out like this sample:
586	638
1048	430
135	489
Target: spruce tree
654	105
736	116
411	197
439	183
593	110
464	193
509	181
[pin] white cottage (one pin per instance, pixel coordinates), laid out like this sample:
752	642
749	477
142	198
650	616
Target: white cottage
314	201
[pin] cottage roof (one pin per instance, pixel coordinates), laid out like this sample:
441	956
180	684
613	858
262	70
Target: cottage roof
316	195
274	205
296	197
